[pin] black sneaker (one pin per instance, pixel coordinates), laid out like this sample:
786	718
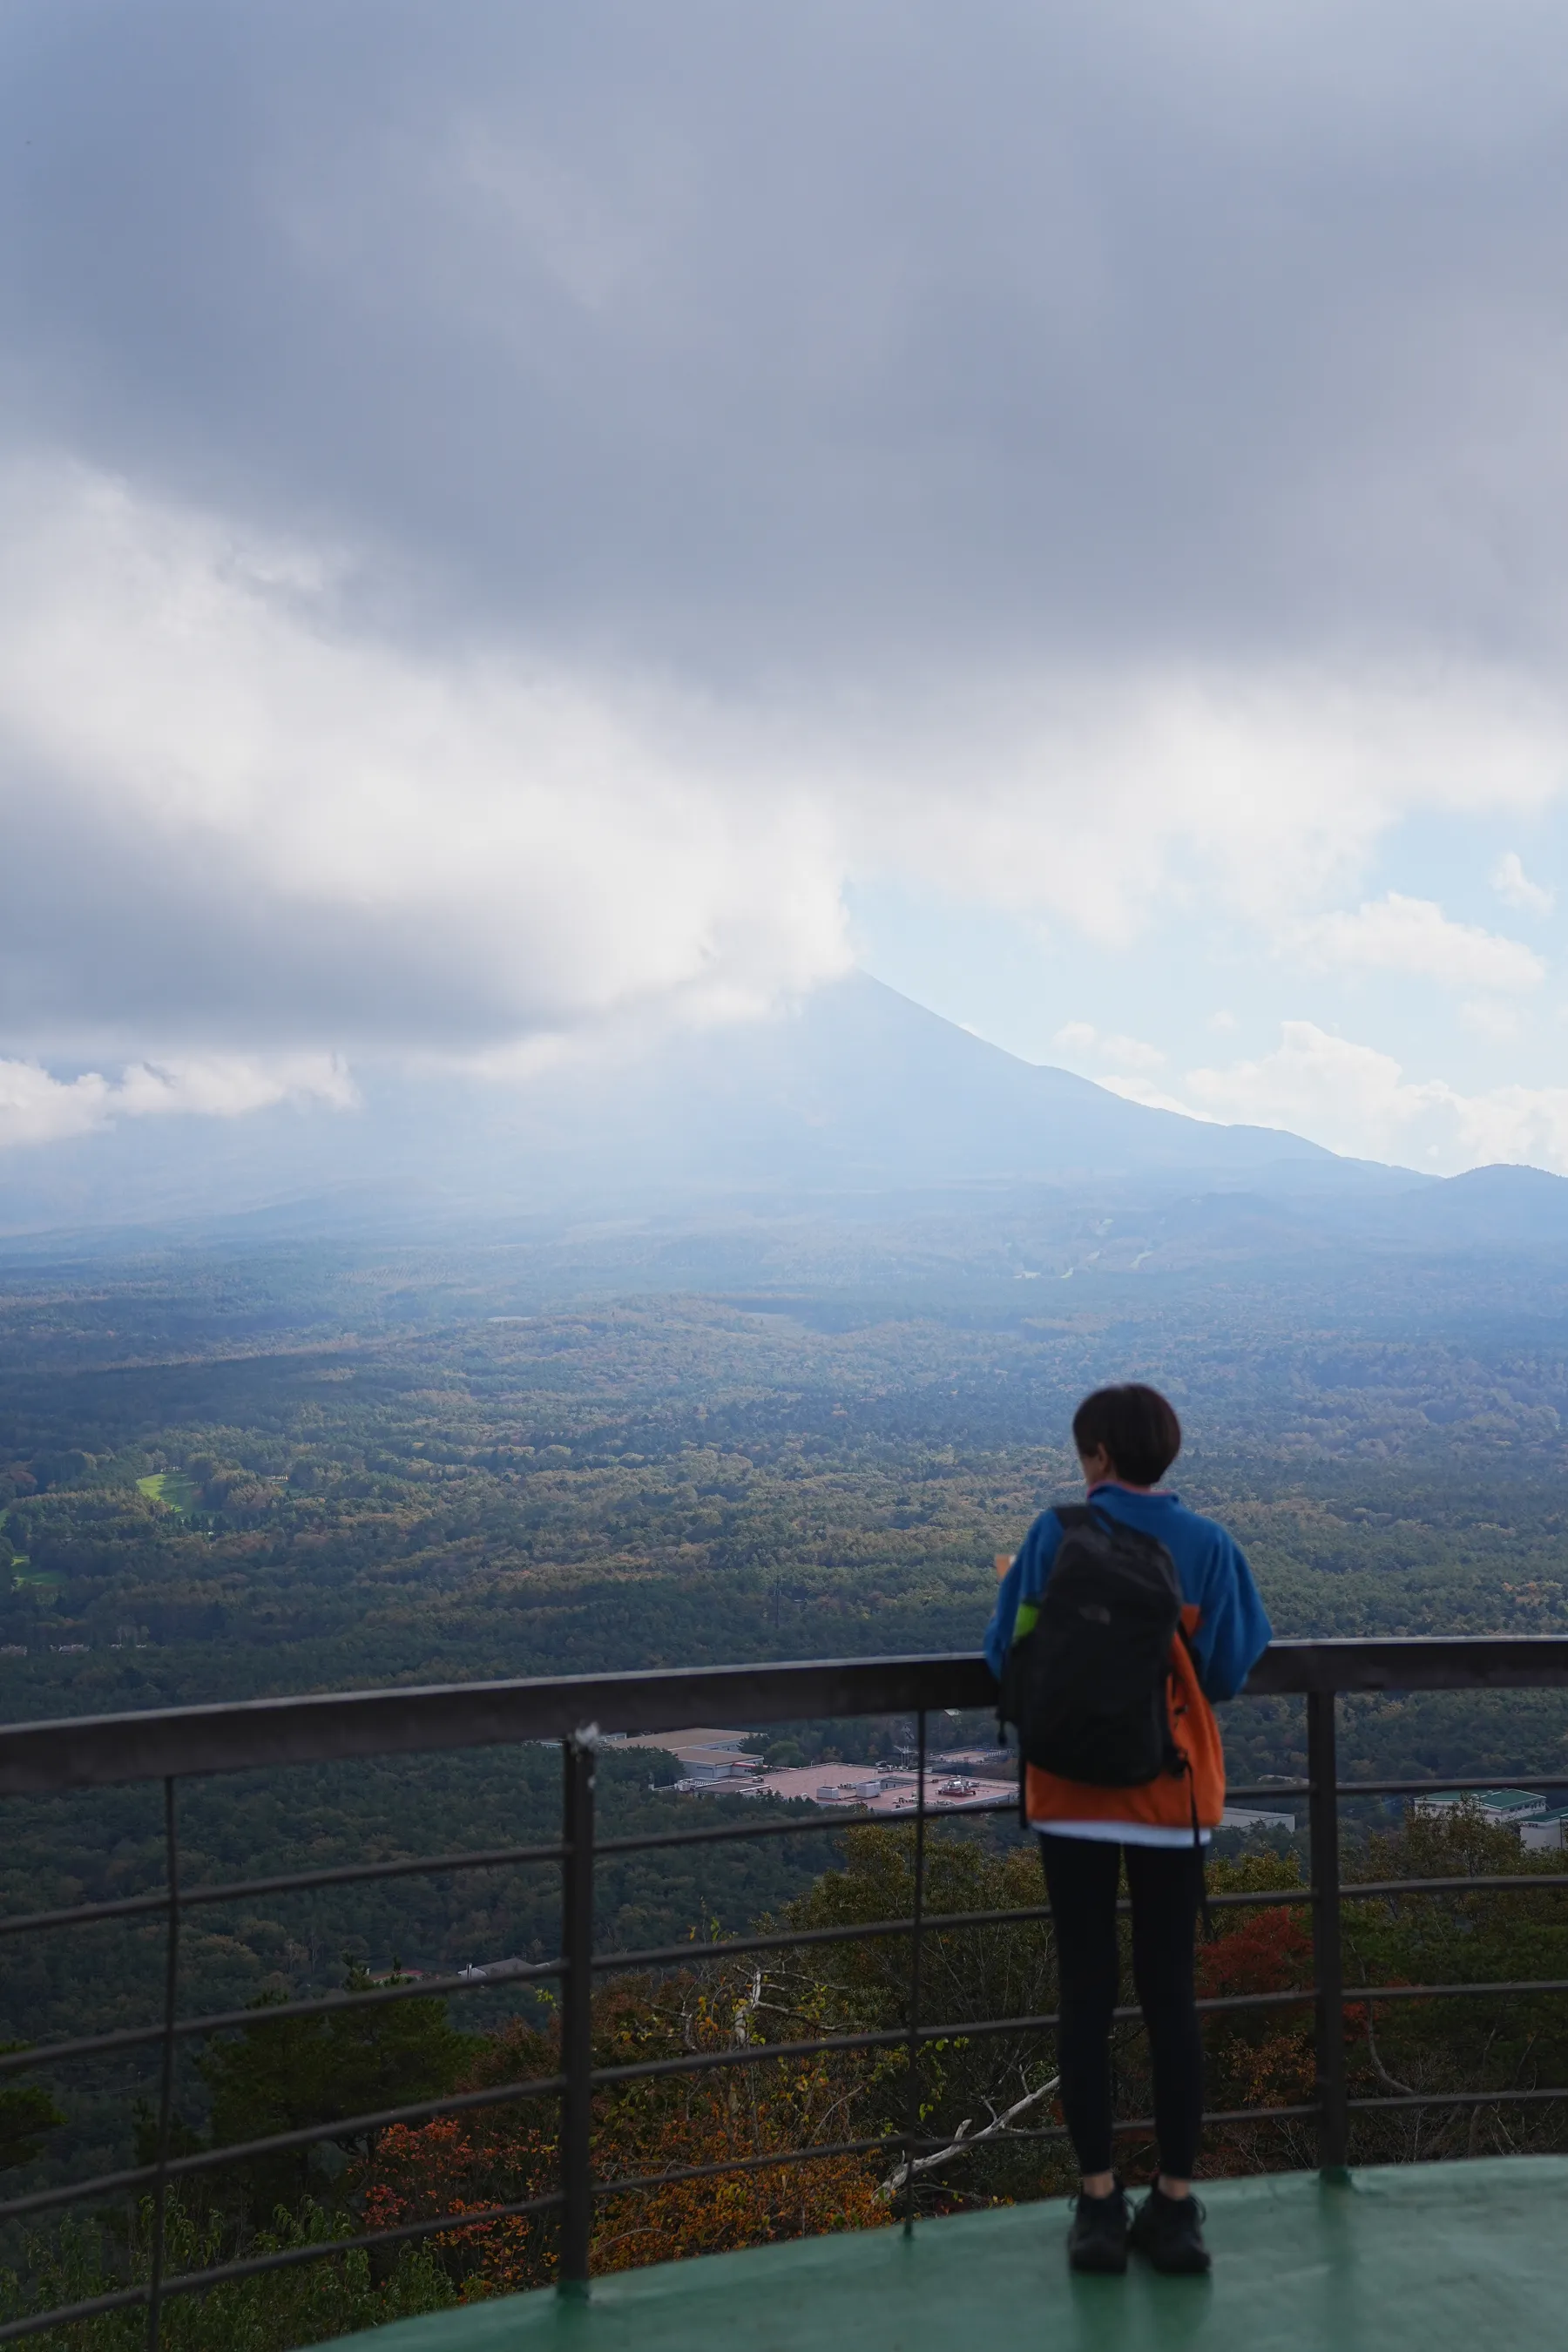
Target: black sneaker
1168	2232
1098	2238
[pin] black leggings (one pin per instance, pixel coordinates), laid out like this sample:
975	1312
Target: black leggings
1165	1883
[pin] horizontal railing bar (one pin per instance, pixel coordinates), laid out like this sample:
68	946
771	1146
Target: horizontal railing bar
243	1890
757	2053
185	2282
725	1833
1458	2099
1213	2004
281	2258
123	2299
42	1759
1352	1993
668	1955
1449	1788
932	1922
131	2037
818	1824
673	1955
355	1873
286	2257
895	2141
83	1914
763	2053
211	2159
1513	1882
1146	2124
1410	1662
817	2154
1261	1791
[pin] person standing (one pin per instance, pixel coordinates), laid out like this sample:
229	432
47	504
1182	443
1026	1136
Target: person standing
1089	1827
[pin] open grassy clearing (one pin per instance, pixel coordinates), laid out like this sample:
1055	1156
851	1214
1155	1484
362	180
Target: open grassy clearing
170	1488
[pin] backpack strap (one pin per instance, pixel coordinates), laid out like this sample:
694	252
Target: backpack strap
1200	1857
1201	1862
1078	1515
1068	1515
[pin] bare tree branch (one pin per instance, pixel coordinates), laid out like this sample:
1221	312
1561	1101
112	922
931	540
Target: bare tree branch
1378	2067
963	2139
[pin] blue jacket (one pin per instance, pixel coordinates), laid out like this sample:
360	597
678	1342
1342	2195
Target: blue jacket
1233	1629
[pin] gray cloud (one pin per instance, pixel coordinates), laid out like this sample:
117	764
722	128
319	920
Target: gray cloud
826	334
592	477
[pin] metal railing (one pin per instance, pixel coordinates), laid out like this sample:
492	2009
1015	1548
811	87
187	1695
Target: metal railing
178	1744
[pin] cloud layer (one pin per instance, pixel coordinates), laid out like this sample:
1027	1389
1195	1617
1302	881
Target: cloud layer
1351	1097
232	815
508	520
37	1107
1414	936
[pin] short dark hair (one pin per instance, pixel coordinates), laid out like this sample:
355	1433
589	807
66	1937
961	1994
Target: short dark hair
1136	1425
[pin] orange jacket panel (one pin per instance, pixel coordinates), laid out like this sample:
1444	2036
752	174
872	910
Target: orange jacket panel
1167	1801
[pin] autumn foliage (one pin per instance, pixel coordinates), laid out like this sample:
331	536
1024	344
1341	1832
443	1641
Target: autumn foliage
729	2114
747	2145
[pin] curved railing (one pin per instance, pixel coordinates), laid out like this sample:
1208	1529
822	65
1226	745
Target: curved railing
176	1744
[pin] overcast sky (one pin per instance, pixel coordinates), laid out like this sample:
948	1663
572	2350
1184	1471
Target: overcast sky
515	515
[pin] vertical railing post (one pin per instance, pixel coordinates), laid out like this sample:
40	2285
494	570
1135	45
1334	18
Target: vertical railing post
167	2089
577	2010
1328	1964
917	1937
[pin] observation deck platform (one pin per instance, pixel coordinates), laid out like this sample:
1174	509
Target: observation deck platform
1437	2258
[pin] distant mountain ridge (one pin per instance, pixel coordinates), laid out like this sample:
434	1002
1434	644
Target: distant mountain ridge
854	1092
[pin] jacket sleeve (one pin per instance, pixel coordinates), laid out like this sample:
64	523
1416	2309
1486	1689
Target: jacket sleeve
1024	1580
1234	1629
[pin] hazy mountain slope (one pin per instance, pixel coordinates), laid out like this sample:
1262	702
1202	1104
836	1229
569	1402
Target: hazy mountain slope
854	1090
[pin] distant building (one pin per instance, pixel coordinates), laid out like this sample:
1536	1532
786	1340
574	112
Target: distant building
708	1759
712	1784
1247	1817
849	1792
719	1764
1501	1809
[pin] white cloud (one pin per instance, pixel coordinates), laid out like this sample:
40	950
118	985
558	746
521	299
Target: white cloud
1109	798
1490	1016
236	816
37	1108
668	527
238	820
1358	1100
1114	1051
1514	886
230	813
1414	936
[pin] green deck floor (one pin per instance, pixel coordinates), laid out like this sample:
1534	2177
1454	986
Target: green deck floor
1437	2258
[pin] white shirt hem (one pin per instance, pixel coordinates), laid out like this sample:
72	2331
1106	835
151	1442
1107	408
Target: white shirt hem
1119	1833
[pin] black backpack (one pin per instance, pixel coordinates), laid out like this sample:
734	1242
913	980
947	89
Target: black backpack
1087	1685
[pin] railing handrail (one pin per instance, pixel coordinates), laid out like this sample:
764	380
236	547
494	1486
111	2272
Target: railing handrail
176	1743
331	1726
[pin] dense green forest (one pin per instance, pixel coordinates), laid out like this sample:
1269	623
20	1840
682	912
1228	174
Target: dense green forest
227	1473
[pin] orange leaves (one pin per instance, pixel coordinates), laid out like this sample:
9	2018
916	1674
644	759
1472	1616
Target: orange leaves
668	2125
1257	2058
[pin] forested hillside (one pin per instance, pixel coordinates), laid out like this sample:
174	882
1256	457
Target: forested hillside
228	1478
234	1472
